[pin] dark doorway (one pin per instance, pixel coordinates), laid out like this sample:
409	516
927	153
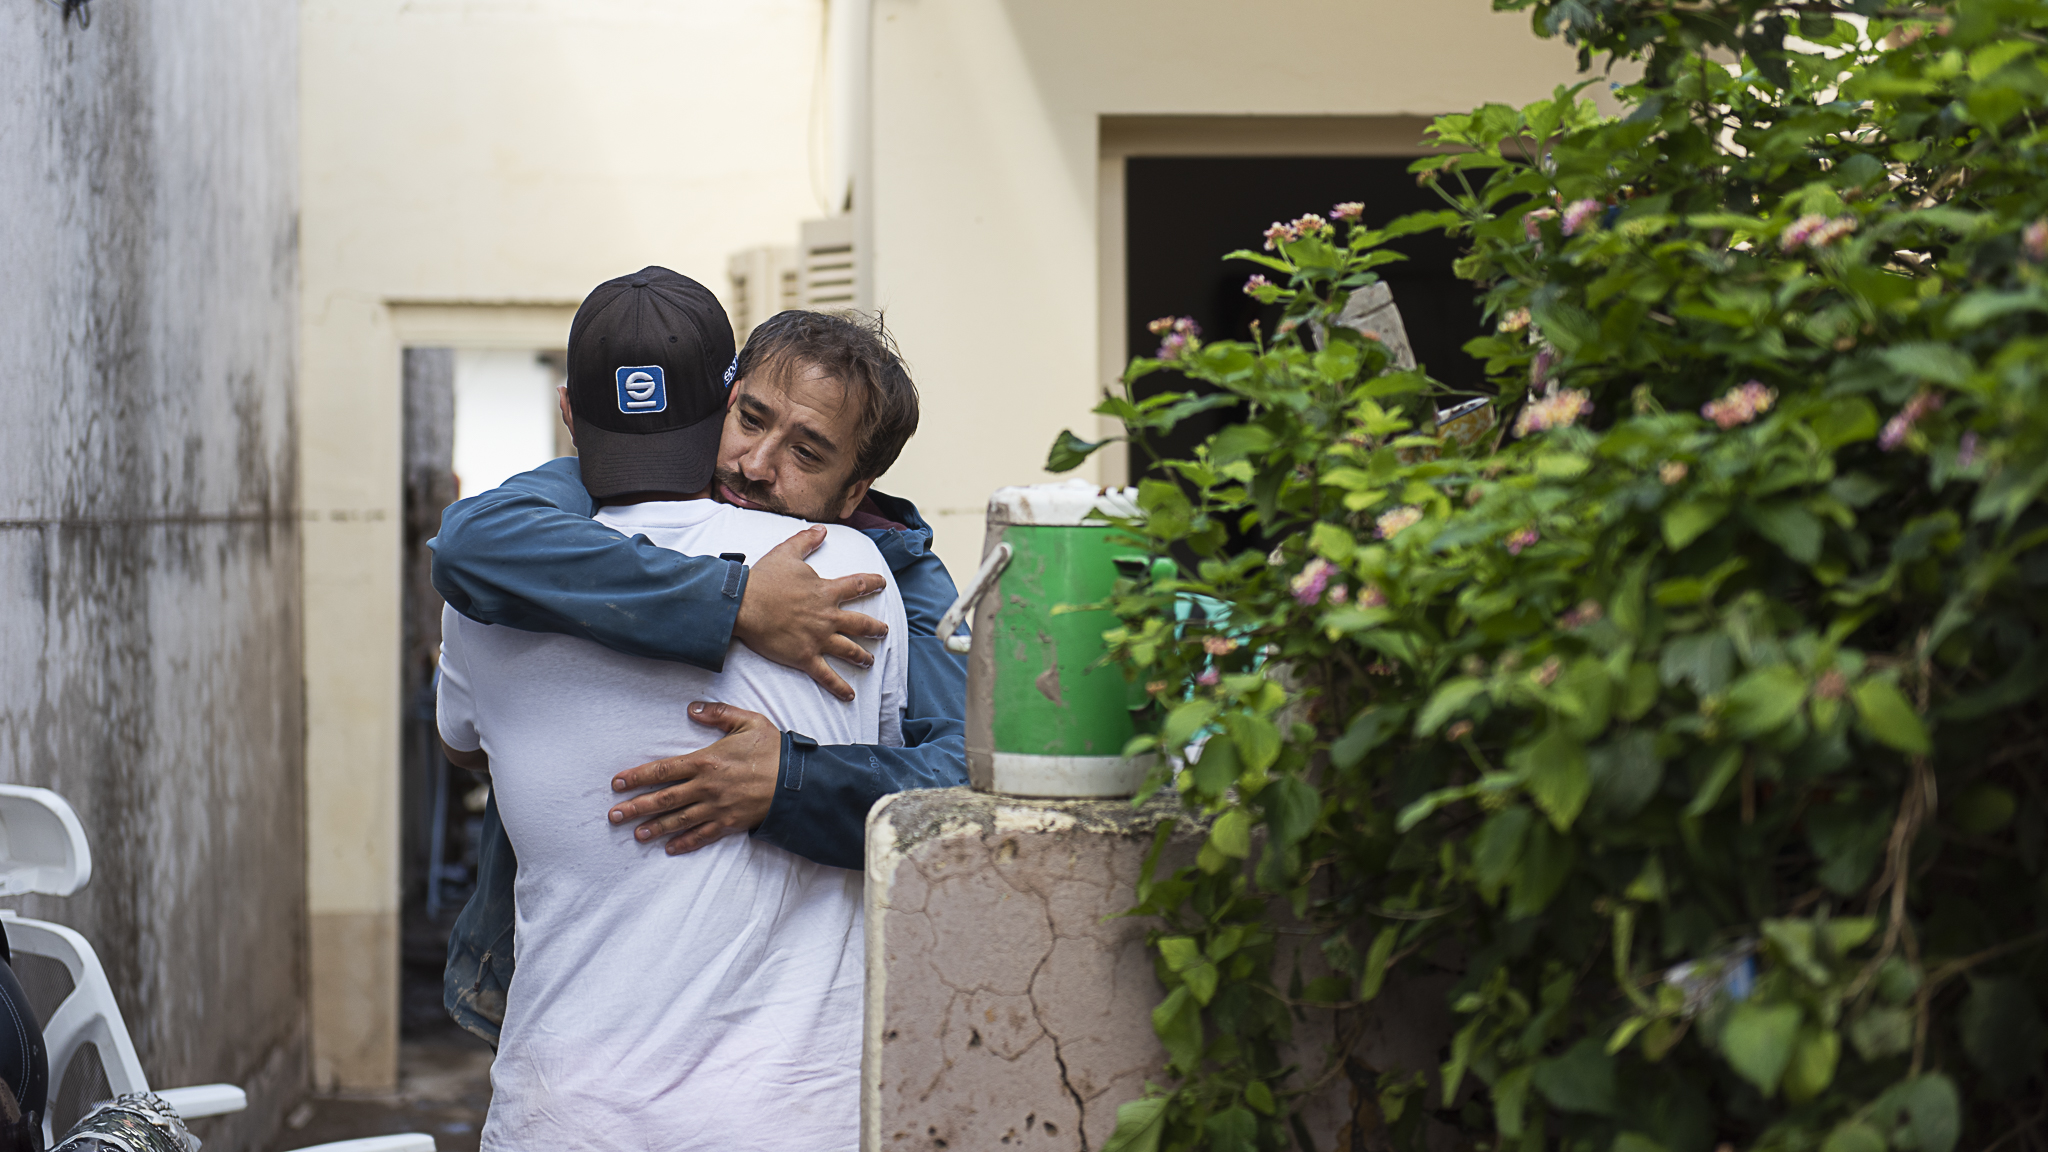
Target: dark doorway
1181	214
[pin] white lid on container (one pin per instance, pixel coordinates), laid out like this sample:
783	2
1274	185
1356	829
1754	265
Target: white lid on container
1067	502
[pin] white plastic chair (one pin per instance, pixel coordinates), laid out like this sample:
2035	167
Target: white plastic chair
43	849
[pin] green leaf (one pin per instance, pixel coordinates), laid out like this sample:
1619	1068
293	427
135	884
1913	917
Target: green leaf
1703	660
1257	740
1332	542
1581	1080
1849	841
1637	1142
1933	1112
1291	808
1687	520
1178	1021
1239	441
1179	952
1764	701
1260	1097
1812	1068
1232	1130
1376	959
1184	722
1201	982
1792	528
1553	770
1885	714
1069	451
1844	421
1232	834
1624	773
1926	361
1447	702
1854	1135
1758	1040
1547	859
1983	808
2001	1029
1882	1031
1497	849
1709	794
1368	730
1511	1100
1139	1124
1216	768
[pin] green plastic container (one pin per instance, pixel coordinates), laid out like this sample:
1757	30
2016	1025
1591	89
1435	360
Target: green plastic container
1044	718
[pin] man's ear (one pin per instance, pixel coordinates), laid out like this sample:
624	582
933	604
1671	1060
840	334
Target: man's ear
562	400
855	493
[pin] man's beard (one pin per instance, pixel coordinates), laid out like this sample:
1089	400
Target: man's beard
760	497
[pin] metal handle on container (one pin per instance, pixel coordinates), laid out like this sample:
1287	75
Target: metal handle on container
992	566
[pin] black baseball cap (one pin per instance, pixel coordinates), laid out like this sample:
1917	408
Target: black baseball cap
650	358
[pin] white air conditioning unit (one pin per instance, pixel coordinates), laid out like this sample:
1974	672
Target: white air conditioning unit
830	268
765	280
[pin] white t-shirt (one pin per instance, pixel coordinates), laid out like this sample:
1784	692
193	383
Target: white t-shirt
705	1001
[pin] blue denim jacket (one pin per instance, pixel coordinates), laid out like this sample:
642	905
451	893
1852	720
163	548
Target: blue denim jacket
527	554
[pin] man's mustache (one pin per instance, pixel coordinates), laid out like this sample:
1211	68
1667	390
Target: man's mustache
747	490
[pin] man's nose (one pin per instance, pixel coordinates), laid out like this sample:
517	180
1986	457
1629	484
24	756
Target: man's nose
755	463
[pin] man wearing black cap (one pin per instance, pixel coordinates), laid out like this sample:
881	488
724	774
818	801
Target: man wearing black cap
667	1001
528	555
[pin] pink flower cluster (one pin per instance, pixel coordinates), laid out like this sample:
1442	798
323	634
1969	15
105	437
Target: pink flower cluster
1372	597
1283	231
1900	426
1557	408
1740	405
1532	224
1253	285
1514	321
1349	211
2034	241
1392	524
1577	213
1218	645
1539	368
1178	335
1522	538
1814	230
1308	584
1588	612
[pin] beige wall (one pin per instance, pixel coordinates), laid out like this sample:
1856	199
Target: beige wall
987	167
463	158
472	155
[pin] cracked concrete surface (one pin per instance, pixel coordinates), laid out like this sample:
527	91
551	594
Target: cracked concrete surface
1004	1009
1009	1003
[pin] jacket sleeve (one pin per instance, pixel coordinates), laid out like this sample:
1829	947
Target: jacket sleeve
821	802
528	555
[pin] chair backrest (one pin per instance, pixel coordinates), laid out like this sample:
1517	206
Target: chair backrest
42	844
87	1016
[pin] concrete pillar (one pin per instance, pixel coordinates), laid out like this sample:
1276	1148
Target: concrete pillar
1009	1003
1003	1009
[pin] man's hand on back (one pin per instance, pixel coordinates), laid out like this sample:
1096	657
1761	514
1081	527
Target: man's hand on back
791	615
723	788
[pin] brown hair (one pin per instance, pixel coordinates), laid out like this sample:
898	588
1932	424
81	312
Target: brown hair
856	350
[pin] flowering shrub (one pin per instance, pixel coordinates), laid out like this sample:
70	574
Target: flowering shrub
1688	725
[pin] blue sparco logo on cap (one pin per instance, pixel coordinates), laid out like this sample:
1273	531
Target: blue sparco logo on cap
642	391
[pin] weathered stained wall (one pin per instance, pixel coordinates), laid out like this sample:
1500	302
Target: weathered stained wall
149	557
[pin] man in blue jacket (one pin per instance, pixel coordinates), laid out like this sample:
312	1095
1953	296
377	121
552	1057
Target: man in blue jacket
528	555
